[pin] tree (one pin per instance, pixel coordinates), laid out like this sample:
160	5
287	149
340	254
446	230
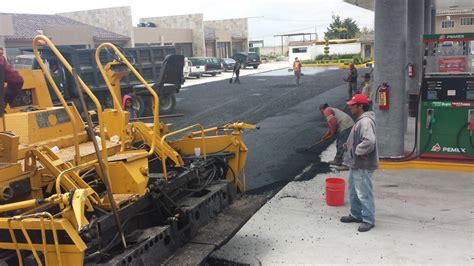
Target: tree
364	31
342	29
326	48
334	28
352	28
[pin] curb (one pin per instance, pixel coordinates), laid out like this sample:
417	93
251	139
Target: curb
433	165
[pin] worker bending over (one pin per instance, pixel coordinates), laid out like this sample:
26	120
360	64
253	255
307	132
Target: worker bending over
339	124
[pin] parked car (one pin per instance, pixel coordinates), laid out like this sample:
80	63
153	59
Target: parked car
191	70
227	64
24	61
212	66
248	59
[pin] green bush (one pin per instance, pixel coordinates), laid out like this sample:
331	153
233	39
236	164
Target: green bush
341	58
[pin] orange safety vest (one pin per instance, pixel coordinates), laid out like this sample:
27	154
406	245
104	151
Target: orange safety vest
297	66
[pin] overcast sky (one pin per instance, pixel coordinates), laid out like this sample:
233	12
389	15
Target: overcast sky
266	17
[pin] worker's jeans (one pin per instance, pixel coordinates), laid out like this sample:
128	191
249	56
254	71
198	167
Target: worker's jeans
297	77
361	195
237	75
341	139
352	89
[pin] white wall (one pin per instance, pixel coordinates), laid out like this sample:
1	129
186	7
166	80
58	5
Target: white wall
318	49
268	50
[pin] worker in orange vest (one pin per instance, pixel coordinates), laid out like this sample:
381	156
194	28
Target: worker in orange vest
297	70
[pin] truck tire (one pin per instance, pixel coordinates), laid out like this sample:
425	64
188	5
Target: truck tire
198	76
255	67
213	74
167	103
139	104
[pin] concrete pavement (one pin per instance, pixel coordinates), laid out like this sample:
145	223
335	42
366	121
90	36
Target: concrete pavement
422	217
243	72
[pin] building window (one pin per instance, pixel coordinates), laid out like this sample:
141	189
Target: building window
447	24
300	50
467	21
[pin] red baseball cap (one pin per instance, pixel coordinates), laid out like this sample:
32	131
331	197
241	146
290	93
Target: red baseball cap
358	98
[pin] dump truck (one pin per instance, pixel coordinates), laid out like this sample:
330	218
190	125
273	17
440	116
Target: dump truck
160	66
106	191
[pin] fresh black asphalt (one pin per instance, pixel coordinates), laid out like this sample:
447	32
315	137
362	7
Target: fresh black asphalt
287	114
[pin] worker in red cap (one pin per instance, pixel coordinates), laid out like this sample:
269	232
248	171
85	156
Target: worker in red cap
352	80
13	79
361	157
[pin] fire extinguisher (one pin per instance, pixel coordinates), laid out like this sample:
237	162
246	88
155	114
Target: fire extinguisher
383	96
411	70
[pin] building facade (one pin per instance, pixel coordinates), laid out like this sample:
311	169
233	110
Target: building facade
220	38
115	19
455	20
231	36
367	48
61	30
193	22
190	34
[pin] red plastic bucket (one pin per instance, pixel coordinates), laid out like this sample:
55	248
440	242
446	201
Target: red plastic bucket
335	191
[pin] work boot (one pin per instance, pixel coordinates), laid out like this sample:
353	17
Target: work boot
350	219
335	162
364	227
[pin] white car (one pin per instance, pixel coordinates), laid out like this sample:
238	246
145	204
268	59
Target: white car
191	70
24	61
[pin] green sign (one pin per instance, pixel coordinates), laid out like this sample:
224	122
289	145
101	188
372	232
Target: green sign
441	104
447	37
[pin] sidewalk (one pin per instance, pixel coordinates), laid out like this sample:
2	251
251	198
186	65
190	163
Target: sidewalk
243	72
422	217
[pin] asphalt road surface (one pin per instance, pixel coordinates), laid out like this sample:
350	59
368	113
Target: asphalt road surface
287	114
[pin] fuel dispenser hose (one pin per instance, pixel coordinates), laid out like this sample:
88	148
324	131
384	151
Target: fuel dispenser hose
409	156
470	141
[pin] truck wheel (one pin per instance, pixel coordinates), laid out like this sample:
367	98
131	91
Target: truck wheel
255	67
198	76
167	103
139	105
213	74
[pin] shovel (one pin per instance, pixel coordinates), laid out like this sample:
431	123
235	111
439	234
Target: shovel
230	81
305	149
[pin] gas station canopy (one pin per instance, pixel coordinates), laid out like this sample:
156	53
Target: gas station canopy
440	4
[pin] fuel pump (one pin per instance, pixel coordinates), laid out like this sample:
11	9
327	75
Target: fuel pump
446	110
